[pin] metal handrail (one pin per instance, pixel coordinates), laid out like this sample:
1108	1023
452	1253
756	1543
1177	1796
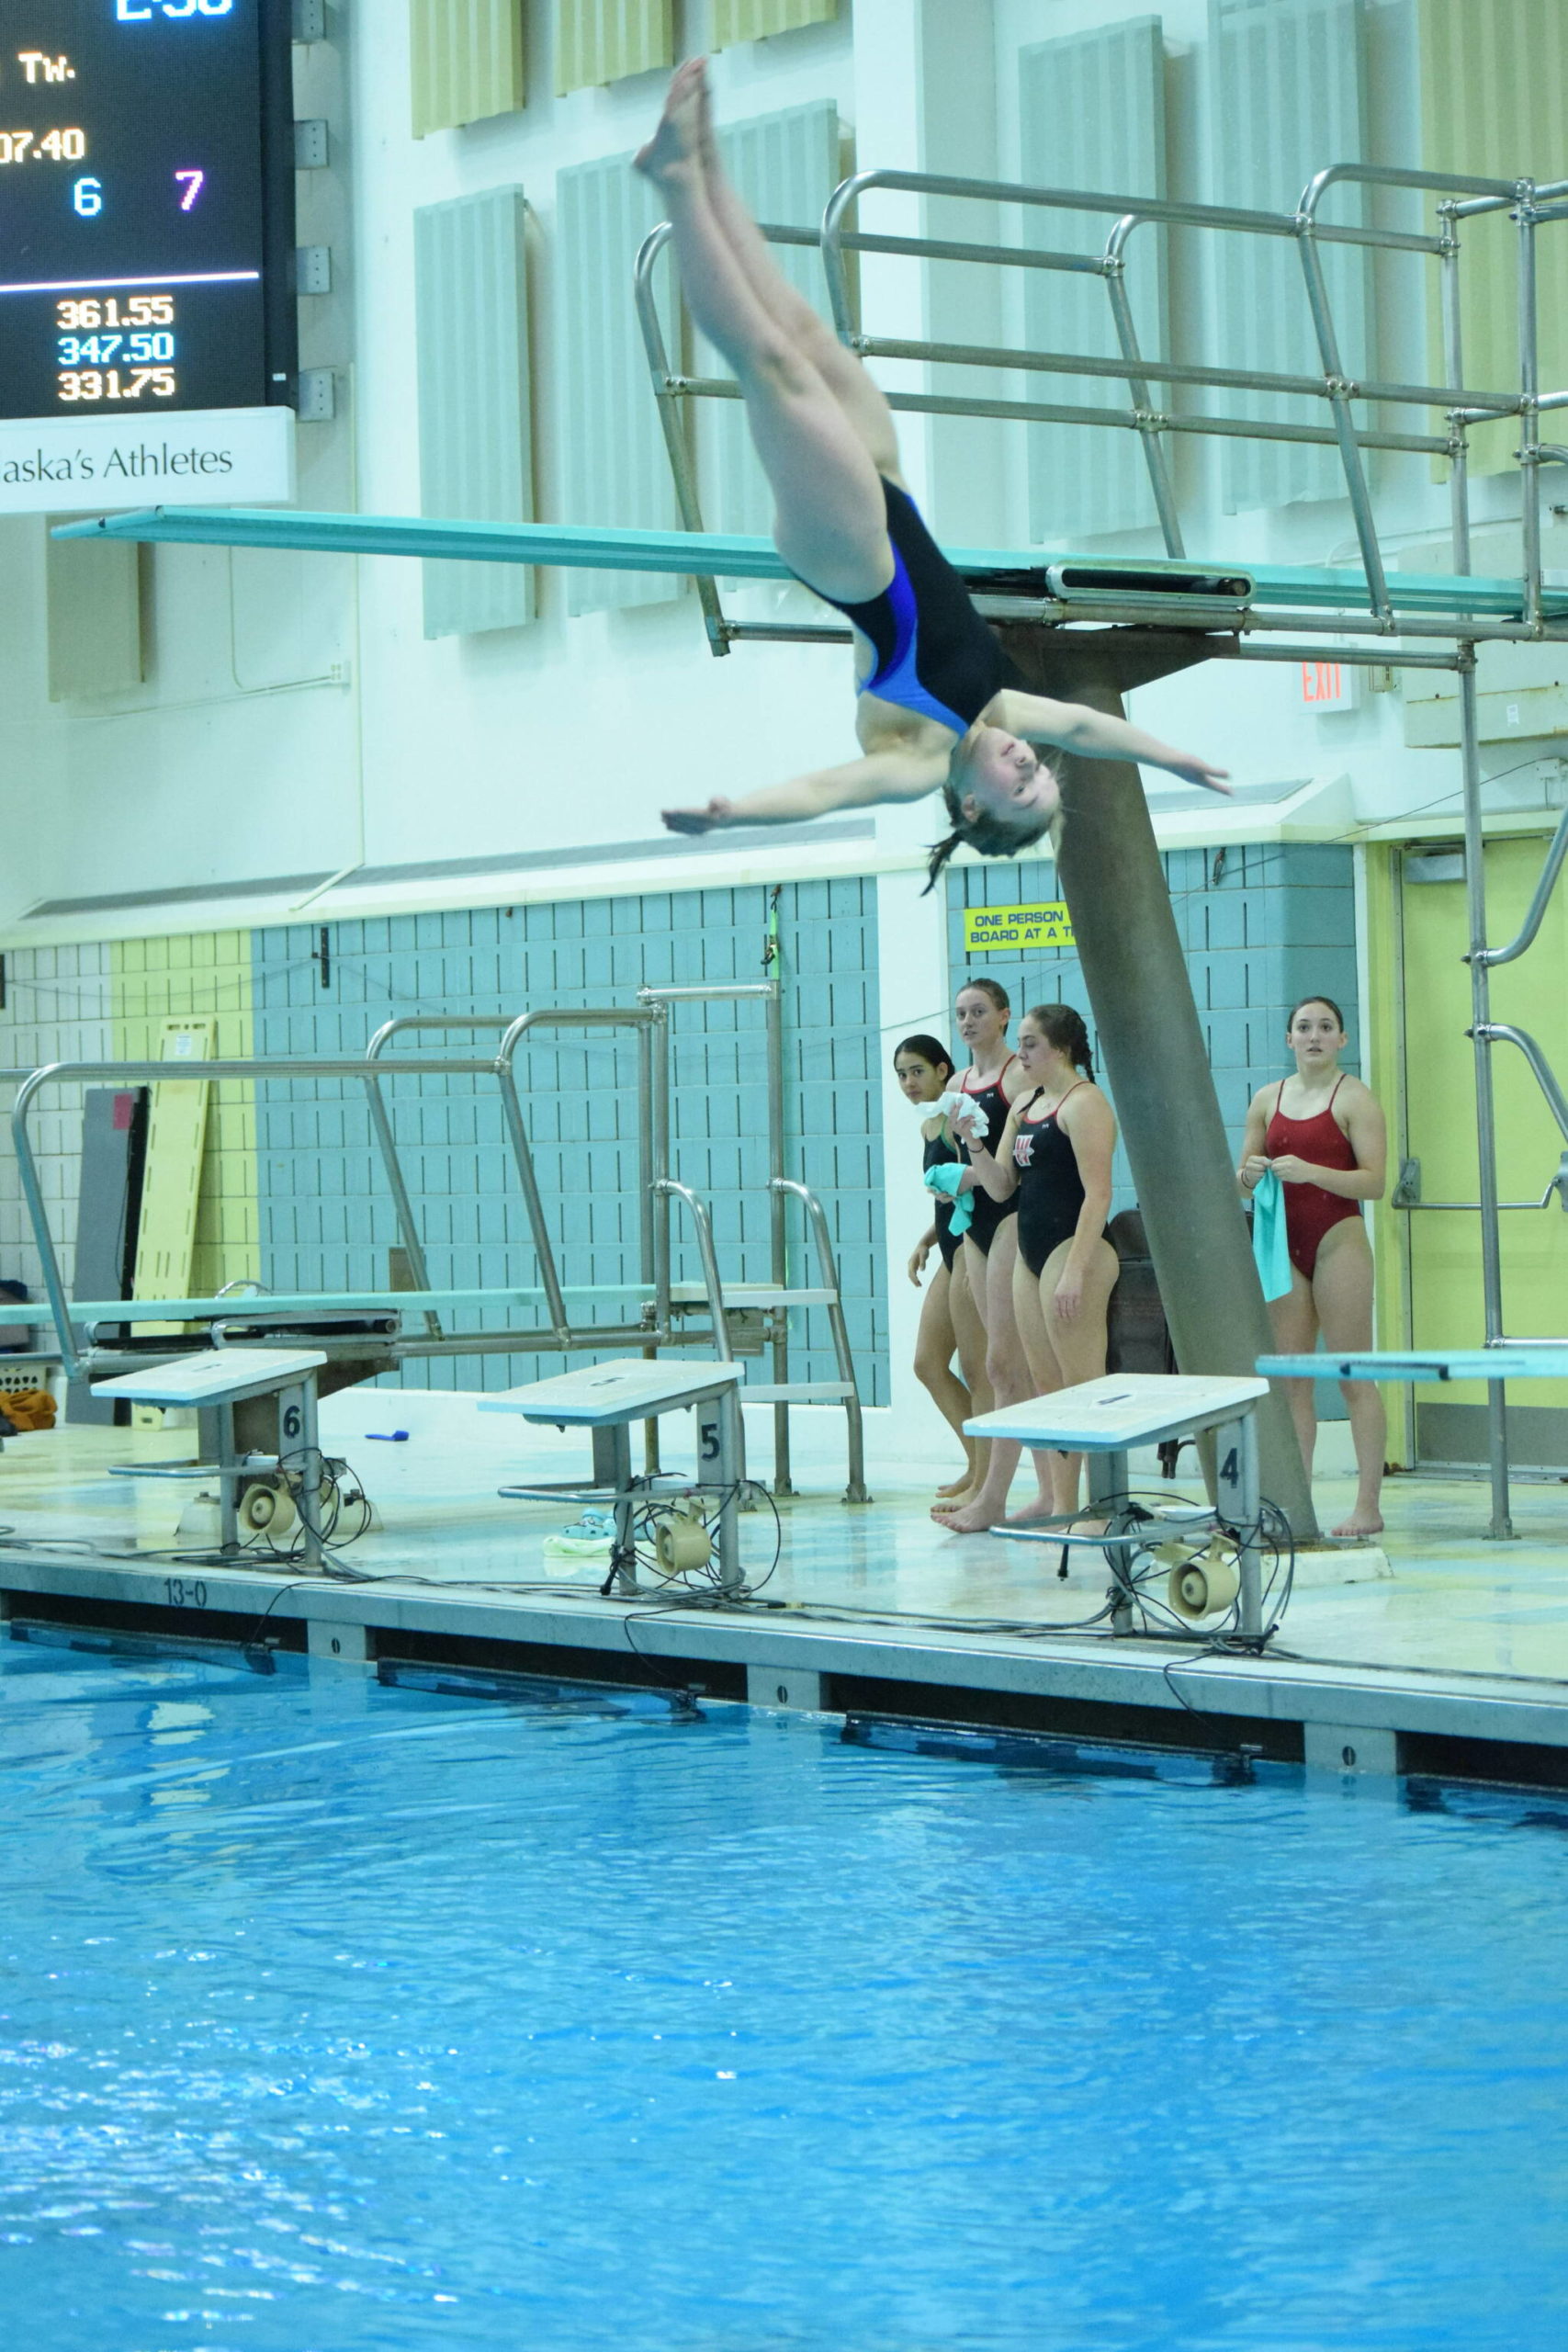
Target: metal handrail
669	1189
1545	1077
855	1492
147	1073
1493	956
515	1026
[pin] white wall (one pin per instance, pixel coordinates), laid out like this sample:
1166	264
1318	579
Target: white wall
295	719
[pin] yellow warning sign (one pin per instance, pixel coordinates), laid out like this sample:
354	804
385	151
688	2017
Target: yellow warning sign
1031	930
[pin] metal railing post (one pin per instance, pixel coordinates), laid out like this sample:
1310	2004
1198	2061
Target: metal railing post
403	1204
1151	423
1340	393
778	1237
828	1268
701	1226
671	397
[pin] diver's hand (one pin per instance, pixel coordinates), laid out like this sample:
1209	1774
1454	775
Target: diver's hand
1192	770
718	811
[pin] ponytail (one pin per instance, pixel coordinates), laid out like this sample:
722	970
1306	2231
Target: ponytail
989	836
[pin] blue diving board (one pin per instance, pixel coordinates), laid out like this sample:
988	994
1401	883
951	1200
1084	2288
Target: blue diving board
329	1302
1548	1362
708	554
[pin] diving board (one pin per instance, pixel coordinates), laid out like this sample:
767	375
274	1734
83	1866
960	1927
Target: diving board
265	1305
711	554
1547	1362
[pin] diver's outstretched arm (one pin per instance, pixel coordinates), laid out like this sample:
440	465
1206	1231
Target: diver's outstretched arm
1095	735
879	778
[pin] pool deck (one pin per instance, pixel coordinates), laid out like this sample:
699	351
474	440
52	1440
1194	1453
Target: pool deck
1443	1652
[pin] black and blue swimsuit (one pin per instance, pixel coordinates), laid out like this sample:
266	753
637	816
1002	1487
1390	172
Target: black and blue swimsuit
934	654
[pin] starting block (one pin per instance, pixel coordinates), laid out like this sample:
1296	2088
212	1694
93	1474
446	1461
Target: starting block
217	1379
1106	1419
605	1399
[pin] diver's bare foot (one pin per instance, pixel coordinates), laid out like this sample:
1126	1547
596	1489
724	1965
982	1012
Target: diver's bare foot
707	138
968	1519
1359	1526
675	149
956	1491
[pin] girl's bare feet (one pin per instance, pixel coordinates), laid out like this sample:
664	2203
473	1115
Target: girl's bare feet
956	1489
675	148
1360	1525
966	1518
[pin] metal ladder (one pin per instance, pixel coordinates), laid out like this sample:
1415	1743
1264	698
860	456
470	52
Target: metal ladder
778	1298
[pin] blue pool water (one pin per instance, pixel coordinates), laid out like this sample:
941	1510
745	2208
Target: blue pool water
337	2017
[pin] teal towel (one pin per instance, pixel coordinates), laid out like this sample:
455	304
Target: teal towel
947	1178
1270	1245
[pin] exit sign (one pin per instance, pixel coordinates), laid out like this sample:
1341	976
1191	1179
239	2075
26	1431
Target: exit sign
1330	685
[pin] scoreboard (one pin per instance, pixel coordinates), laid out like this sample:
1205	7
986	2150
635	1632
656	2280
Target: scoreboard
146	208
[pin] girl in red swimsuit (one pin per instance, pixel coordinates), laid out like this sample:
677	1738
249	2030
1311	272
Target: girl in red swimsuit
1323	1135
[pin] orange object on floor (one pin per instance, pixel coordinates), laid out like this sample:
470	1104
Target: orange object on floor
27	1408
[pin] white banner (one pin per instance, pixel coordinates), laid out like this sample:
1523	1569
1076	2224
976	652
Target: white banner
104	465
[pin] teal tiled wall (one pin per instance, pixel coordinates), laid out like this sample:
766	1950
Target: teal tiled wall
326	1214
1262	925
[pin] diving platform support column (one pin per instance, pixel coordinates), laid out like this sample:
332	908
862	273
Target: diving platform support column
1114	885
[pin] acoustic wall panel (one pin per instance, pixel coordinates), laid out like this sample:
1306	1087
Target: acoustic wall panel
1287	95
172	1173
465	62
604	41
736	20
785	166
614	464
1492	77
1092	116
94	611
475	437
202	976
114	1142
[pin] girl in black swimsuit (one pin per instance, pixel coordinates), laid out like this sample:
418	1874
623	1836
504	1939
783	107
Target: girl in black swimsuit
940	708
1054	1160
991	1245
947	1320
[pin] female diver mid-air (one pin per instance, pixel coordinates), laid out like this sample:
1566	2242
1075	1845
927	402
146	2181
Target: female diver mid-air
940	708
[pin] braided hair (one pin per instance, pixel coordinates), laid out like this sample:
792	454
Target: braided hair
1061	1026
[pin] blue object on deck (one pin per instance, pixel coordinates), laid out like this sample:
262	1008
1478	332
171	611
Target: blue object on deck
709	554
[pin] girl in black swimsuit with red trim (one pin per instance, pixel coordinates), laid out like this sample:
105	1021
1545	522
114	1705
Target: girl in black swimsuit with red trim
1323	1133
940	708
1053	1160
949	1322
990	1245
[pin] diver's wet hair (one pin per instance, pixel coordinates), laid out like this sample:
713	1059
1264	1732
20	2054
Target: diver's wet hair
991	836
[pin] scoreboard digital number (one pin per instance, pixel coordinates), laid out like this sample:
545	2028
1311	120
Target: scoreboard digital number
146	206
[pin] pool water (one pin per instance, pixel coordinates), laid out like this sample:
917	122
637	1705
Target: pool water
336	2016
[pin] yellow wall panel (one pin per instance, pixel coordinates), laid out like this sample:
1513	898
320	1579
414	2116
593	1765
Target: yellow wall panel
755	19
1492	78
465	62
603	40
202	974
